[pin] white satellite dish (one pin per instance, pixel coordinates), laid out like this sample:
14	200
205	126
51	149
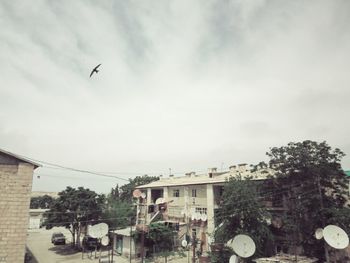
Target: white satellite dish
193	217
233	259
319	233
242	245
184	243
143	195
99	230
160	201
204	217
335	237
136	193
105	241
197	216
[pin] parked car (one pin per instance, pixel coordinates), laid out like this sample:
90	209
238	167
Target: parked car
58	238
91	243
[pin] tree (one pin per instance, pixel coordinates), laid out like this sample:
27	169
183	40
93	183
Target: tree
241	212
74	209
159	239
314	184
118	212
43	202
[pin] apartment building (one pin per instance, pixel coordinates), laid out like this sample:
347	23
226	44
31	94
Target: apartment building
189	201
16	175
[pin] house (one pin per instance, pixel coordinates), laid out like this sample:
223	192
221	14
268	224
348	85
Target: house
189	201
16	175
36	218
123	242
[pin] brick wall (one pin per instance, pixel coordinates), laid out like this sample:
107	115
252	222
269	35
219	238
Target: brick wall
15	189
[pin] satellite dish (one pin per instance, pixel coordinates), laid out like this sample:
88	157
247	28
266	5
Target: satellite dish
197	216
143	195
160	201
136	193
319	233
105	241
99	230
184	243
335	237
243	245
233	259
192	217
204	217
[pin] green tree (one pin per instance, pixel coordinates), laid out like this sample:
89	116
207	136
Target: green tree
314	184
43	202
74	209
241	212
118	212
159	239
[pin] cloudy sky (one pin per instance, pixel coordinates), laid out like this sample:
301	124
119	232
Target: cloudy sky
184	85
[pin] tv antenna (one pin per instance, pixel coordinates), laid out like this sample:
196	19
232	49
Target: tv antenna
233	259
319	233
99	230
242	245
336	237
136	193
105	241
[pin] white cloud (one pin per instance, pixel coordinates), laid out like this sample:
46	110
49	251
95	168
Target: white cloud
182	84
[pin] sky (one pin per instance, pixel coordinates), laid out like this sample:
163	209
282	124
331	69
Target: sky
185	85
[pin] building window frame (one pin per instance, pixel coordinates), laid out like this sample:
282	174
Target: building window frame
194	192
176	193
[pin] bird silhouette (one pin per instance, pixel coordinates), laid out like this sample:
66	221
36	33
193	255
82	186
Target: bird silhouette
95	70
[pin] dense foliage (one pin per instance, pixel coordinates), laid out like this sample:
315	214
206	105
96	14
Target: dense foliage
43	202
120	210
314	186
74	209
241	212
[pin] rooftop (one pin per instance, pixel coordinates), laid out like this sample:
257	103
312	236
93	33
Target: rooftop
209	178
19	158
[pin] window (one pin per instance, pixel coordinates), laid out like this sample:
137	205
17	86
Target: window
194	192
201	210
176	193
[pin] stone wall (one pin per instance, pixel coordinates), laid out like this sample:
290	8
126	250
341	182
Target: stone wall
15	189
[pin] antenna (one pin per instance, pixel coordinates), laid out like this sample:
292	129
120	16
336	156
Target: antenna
136	193
335	237
233	259
160	201
242	245
99	230
319	233
105	241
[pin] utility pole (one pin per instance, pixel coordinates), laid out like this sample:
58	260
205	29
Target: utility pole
130	239
194	241
322	217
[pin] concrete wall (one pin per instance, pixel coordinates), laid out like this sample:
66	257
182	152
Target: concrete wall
15	188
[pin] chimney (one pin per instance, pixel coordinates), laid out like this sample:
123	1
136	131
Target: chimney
233	169
211	172
192	174
160	177
242	167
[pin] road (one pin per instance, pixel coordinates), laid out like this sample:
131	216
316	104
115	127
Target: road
39	243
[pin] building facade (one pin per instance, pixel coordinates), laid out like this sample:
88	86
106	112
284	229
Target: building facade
189	201
16	175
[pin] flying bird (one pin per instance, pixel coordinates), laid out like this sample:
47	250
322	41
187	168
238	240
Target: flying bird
95	70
